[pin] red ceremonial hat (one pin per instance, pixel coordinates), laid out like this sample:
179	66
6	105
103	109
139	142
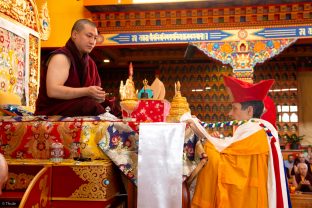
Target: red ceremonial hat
270	111
243	91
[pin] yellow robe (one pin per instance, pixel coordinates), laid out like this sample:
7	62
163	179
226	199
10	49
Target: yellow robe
235	177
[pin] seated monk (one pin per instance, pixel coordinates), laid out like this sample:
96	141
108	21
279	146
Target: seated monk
69	80
303	180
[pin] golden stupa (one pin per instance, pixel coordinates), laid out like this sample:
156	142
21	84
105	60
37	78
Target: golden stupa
179	105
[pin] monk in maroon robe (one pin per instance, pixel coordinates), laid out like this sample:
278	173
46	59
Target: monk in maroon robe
69	81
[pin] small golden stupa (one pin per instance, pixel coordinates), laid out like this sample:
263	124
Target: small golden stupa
179	105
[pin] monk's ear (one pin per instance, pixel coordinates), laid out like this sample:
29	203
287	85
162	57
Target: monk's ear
74	34
250	111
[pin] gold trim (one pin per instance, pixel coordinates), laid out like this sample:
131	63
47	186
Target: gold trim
28	162
44	18
81	199
36	15
93	176
34	72
14	16
39	65
18	178
230	27
216	26
31	186
65	162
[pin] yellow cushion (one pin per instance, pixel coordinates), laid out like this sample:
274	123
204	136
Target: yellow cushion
28	108
9	98
90	136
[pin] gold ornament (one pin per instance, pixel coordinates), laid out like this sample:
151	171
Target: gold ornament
95	188
179	105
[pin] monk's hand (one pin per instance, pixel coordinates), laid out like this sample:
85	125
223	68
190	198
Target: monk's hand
190	123
216	134
97	93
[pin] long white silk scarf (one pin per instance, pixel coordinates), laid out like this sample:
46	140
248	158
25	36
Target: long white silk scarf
160	166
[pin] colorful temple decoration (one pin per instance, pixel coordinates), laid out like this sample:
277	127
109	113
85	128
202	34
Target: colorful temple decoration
245	54
12	62
207	35
44	19
26	12
201	18
23	11
20	47
33	82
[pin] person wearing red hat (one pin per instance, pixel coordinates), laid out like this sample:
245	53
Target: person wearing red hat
245	170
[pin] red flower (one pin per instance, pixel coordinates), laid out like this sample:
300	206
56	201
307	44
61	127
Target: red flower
115	140
41	146
121	167
130	175
12	81
190	150
128	143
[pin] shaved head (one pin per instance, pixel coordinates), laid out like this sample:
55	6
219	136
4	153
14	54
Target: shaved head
4	172
80	24
303	165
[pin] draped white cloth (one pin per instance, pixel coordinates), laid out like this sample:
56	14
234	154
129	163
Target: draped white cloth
160	166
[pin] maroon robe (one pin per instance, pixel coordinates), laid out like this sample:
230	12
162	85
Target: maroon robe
82	73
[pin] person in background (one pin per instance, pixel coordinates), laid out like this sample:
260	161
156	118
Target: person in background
310	163
4	172
69	81
289	163
303	180
309	154
301	159
245	170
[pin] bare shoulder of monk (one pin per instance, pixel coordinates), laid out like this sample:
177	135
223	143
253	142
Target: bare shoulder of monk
58	60
58	68
57	74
